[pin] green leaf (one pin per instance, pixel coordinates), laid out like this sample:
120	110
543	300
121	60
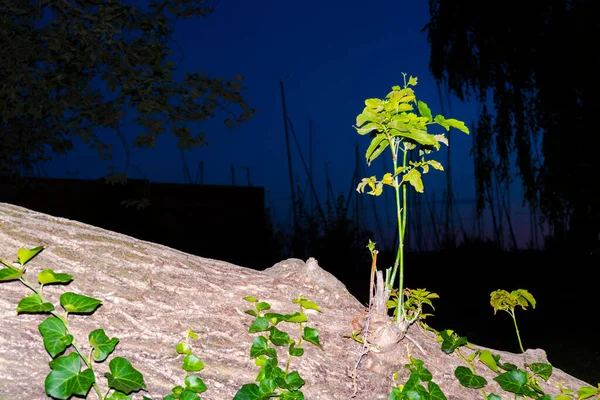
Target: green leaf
435	393
412	81
295	351
48	276
417	368
195	384
34	304
275	318
263	306
295	317
123	377
508	366
309	305
251	299
66	378
269	370
187	394
183	348
370	127
278	338
374	103
424	110
586	392
249	391
102	346
260	346
541	369
292	381
10	274
312	336
493	396
366	116
76	303
414	178
116	395
512	381
54	332
297	395
468	379
450	342
488	359
25	255
192	363
192	334
260	324
395	394
377	146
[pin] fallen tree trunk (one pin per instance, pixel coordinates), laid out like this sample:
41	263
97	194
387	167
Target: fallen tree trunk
152	294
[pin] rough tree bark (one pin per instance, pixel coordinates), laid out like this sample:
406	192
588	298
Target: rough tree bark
152	294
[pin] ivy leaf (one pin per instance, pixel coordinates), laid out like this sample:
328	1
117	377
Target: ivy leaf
274	318
66	378
297	395
468	379
260	346
493	396
25	255
101	344
251	299
183	348
116	395
123	377
292	381
541	369
295	317
278	338
249	391
435	392
34	304
192	363
512	381
10	274
56	339
195	384
187	394
263	306
451	343
269	370
309	305
48	276
260	324
295	351
76	303
417	368
488	359
312	336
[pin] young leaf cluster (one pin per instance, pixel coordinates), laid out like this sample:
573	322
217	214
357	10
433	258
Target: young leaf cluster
193	383
273	381
414	388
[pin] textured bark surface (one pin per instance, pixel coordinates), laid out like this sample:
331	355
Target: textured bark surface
152	294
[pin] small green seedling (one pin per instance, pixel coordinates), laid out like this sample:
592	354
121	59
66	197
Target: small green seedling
193	383
66	378
272	380
502	300
391	123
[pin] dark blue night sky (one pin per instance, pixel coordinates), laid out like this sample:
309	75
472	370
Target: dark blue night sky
331	56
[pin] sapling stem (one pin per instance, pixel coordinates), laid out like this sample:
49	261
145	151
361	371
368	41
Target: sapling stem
512	314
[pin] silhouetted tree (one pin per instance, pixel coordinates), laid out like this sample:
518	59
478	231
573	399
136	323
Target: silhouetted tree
78	68
530	59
